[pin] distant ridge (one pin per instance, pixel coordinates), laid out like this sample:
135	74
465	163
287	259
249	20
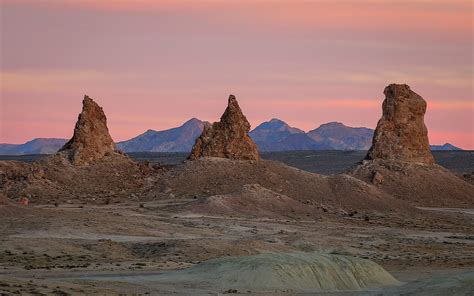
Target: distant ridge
340	137
179	139
35	146
277	135
445	146
272	135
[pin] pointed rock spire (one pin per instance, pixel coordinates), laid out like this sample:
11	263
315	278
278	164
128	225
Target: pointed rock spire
227	138
401	133
91	140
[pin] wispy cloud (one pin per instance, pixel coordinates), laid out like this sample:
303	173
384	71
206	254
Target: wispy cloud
451	16
57	80
155	63
453	77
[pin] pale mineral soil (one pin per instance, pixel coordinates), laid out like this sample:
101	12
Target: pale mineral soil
69	249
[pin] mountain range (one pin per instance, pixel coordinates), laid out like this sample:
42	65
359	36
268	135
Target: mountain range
35	146
273	135
178	139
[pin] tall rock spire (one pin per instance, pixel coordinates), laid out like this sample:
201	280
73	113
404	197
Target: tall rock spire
227	138
401	133
91	140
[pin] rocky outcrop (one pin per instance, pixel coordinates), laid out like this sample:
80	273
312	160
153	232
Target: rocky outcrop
87	169
401	133
400	161
91	140
227	138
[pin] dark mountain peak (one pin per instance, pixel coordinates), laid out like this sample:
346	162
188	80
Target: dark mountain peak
276	120
193	121
327	127
178	139
339	136
149	132
333	123
338	126
194	124
277	125
445	146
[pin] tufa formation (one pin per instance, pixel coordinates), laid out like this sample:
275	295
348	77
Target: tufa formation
91	140
401	133
227	138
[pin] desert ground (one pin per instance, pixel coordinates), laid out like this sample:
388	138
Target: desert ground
121	246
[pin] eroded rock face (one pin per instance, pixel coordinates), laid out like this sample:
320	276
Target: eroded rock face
401	133
91	140
227	138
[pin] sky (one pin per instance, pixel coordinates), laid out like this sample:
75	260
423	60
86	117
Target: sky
155	64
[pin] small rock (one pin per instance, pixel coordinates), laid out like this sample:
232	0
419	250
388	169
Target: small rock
24	201
377	178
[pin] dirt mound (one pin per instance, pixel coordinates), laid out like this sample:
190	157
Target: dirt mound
4	200
252	201
91	140
401	133
55	179
418	184
295	272
218	176
468	177
227	138
16	175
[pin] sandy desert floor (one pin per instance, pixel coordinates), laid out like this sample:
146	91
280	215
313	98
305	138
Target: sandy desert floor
119	248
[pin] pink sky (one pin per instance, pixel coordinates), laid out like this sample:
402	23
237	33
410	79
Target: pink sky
155	64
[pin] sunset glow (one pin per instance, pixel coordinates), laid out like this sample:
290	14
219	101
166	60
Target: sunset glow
155	64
